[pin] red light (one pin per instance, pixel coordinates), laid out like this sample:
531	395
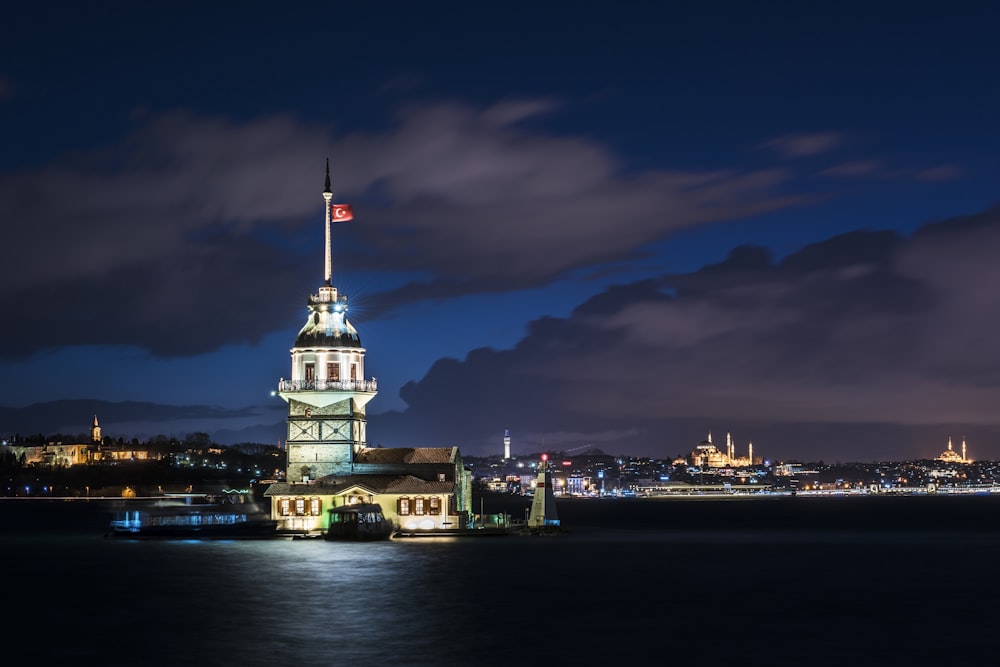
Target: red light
545	457
567	463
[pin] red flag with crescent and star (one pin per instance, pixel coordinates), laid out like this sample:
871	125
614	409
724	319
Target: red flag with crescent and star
341	212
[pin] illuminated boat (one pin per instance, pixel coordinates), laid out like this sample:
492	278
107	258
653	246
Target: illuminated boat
194	516
360	522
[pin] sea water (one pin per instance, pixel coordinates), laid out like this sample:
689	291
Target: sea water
789	581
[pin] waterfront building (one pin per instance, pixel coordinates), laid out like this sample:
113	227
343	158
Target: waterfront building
328	460
53	454
61	454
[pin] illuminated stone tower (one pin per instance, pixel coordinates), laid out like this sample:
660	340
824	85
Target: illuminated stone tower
506	444
327	392
95	432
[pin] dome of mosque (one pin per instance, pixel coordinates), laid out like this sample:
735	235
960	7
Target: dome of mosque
950	456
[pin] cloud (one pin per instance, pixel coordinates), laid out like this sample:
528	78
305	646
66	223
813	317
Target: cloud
879	169
867	328
941	173
130	419
804	144
187	235
855	168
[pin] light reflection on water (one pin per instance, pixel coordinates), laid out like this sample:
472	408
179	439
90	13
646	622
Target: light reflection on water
617	593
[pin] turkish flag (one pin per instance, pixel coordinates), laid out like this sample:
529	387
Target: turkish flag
341	212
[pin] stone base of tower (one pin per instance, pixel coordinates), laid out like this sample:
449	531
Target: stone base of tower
322	439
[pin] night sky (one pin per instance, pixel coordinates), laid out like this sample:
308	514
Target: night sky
613	225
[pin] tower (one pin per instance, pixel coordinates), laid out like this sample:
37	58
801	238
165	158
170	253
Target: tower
964	460
327	392
506	444
95	432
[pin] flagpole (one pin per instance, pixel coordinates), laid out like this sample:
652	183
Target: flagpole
328	196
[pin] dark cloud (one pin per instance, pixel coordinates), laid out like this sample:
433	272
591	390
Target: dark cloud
183	237
865	333
874	168
128	419
804	144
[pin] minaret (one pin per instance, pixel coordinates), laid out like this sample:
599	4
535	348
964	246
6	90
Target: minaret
543	504
750	452
506	444
963	449
327	392
729	448
95	432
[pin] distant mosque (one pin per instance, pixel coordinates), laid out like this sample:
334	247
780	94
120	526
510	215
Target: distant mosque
951	456
707	455
329	461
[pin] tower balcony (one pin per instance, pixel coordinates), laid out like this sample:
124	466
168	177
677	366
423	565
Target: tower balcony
367	386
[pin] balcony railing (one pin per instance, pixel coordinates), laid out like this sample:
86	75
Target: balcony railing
329	385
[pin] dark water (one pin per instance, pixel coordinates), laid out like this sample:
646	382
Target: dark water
789	581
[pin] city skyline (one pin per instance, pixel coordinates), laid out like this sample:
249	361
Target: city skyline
619	229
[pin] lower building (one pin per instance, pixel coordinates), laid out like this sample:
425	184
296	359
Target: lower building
420	488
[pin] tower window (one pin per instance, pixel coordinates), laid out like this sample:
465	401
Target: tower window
332	372
310	372
354	371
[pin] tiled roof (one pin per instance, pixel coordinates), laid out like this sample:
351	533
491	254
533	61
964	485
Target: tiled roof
370	483
411	484
406	455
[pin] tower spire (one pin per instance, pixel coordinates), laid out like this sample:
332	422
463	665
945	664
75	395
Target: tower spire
328	197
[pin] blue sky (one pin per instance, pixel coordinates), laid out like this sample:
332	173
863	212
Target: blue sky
618	226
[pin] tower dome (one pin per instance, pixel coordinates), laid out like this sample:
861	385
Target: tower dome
327	324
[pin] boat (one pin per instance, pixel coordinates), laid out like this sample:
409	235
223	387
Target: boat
194	516
360	522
